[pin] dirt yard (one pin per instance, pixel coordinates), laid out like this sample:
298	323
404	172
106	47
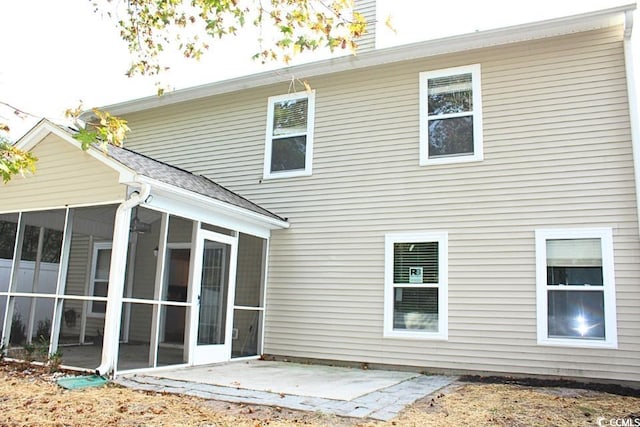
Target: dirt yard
30	397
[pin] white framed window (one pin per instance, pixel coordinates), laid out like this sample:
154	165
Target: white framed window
415	294
575	277
451	115
99	283
289	135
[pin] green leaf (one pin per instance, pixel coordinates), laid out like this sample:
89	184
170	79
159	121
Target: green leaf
86	138
151	28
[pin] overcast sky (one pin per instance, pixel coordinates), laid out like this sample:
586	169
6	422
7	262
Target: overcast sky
58	52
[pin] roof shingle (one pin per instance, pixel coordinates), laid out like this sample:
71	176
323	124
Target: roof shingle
163	172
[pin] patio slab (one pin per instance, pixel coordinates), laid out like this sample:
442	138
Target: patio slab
328	382
341	391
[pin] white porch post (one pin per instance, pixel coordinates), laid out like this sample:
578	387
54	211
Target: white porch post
87	286
34	285
128	288
191	323
61	285
157	293
116	280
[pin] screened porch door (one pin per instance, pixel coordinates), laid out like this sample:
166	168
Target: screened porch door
215	267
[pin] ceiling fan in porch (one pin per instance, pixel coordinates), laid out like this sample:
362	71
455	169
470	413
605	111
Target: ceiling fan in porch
138	226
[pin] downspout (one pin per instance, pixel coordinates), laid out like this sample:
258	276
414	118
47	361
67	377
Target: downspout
116	278
633	104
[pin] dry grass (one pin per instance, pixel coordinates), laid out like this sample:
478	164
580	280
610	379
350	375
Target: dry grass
31	398
514	405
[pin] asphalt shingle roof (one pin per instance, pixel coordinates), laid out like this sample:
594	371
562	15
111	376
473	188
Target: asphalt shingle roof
183	179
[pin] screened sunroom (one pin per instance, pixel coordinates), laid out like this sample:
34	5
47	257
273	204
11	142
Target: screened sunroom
119	262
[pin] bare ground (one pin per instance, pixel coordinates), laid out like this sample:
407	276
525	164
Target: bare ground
30	397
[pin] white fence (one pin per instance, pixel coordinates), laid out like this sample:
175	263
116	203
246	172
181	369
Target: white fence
43	311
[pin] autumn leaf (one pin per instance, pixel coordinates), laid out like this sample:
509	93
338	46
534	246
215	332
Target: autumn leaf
103	129
14	161
389	24
152	27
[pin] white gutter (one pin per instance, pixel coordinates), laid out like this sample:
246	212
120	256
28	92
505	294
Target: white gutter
116	278
225	207
632	94
425	49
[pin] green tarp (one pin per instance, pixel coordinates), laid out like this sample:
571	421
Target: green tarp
73	383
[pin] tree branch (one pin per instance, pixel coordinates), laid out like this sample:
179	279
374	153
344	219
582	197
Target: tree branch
19	111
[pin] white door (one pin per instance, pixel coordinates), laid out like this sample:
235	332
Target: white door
214	273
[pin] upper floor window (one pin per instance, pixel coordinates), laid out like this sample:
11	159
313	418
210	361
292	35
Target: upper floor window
289	142
450	115
576	290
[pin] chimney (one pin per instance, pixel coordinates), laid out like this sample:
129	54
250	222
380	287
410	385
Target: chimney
367	8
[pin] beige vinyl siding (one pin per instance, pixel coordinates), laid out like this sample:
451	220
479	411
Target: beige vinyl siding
64	176
180	230
144	277
77	275
249	273
144	272
367	8
79	264
249	289
557	154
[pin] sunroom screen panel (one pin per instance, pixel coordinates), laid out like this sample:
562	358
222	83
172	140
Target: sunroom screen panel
8	230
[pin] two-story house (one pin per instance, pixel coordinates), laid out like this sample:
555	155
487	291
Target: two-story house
467	204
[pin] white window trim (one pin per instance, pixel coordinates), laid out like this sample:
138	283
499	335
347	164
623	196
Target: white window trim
98	246
311	97
609	292
476	86
443	274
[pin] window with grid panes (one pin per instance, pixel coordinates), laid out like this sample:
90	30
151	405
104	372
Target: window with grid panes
289	140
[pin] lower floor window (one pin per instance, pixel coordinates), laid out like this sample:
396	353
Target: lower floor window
416	285
576	290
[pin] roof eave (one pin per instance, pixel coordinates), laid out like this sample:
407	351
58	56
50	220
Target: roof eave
218	205
45	127
129	177
479	39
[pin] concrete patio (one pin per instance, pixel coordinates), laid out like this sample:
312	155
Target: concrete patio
348	392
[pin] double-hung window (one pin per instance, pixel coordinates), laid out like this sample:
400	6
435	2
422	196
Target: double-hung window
575	288
289	141
416	285
99	281
450	115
